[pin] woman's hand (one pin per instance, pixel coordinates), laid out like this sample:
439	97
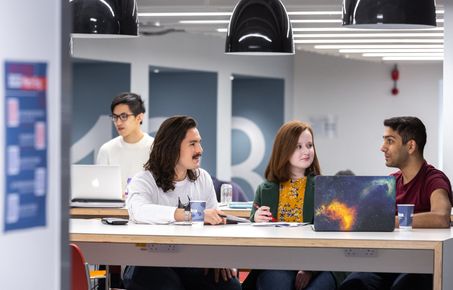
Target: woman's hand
263	214
211	216
302	279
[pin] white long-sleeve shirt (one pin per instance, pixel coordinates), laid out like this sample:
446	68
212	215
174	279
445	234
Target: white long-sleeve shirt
129	156
148	203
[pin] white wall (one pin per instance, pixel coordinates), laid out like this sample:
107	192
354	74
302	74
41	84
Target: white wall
193	52
358	94
447	123
31	259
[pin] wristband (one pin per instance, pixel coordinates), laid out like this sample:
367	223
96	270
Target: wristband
187	216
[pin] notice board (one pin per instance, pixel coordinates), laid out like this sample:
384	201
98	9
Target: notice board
25	160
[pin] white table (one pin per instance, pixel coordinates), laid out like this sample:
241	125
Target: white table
246	246
93	212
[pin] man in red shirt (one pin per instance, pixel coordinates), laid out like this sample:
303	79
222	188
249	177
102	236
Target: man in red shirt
418	183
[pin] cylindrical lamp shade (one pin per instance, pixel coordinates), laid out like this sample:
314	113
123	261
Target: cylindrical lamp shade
104	18
389	13
259	27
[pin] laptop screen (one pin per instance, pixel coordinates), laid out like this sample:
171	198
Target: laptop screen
96	182
354	203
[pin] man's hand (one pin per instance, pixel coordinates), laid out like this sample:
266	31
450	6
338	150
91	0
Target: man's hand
302	279
179	215
225	274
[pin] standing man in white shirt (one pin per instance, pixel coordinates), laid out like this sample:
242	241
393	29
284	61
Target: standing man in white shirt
130	150
172	178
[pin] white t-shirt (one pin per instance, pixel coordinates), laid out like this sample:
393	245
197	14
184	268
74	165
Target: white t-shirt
129	156
148	203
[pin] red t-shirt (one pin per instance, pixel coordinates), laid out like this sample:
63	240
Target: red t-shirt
418	191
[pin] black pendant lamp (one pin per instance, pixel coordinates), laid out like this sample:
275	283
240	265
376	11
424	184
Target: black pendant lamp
259	27
104	18
392	14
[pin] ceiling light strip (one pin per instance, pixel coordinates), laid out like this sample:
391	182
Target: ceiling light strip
336	12
335	29
204	21
373	46
316	41
190	14
316	21
395	50
183	14
365	35
402	54
411	58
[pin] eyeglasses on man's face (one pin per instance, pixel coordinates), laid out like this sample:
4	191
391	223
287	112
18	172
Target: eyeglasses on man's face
123	117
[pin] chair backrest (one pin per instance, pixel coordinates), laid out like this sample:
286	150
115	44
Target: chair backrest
79	270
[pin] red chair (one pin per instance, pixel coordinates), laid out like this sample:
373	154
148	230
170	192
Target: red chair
81	276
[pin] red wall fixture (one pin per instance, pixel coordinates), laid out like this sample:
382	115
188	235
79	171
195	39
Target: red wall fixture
395	77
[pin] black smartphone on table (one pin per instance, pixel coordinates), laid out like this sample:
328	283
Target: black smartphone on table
114	221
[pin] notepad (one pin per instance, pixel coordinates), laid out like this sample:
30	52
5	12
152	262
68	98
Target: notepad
241	204
280	224
231	219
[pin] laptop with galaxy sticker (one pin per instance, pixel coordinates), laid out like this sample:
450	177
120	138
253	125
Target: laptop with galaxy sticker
354	203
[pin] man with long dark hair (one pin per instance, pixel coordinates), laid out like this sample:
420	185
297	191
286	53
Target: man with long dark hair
173	177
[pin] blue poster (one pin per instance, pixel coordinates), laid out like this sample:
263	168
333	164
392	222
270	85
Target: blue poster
25	145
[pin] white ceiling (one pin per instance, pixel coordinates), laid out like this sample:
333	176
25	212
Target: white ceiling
156	25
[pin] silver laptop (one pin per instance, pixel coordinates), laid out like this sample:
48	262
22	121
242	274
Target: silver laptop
96	186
